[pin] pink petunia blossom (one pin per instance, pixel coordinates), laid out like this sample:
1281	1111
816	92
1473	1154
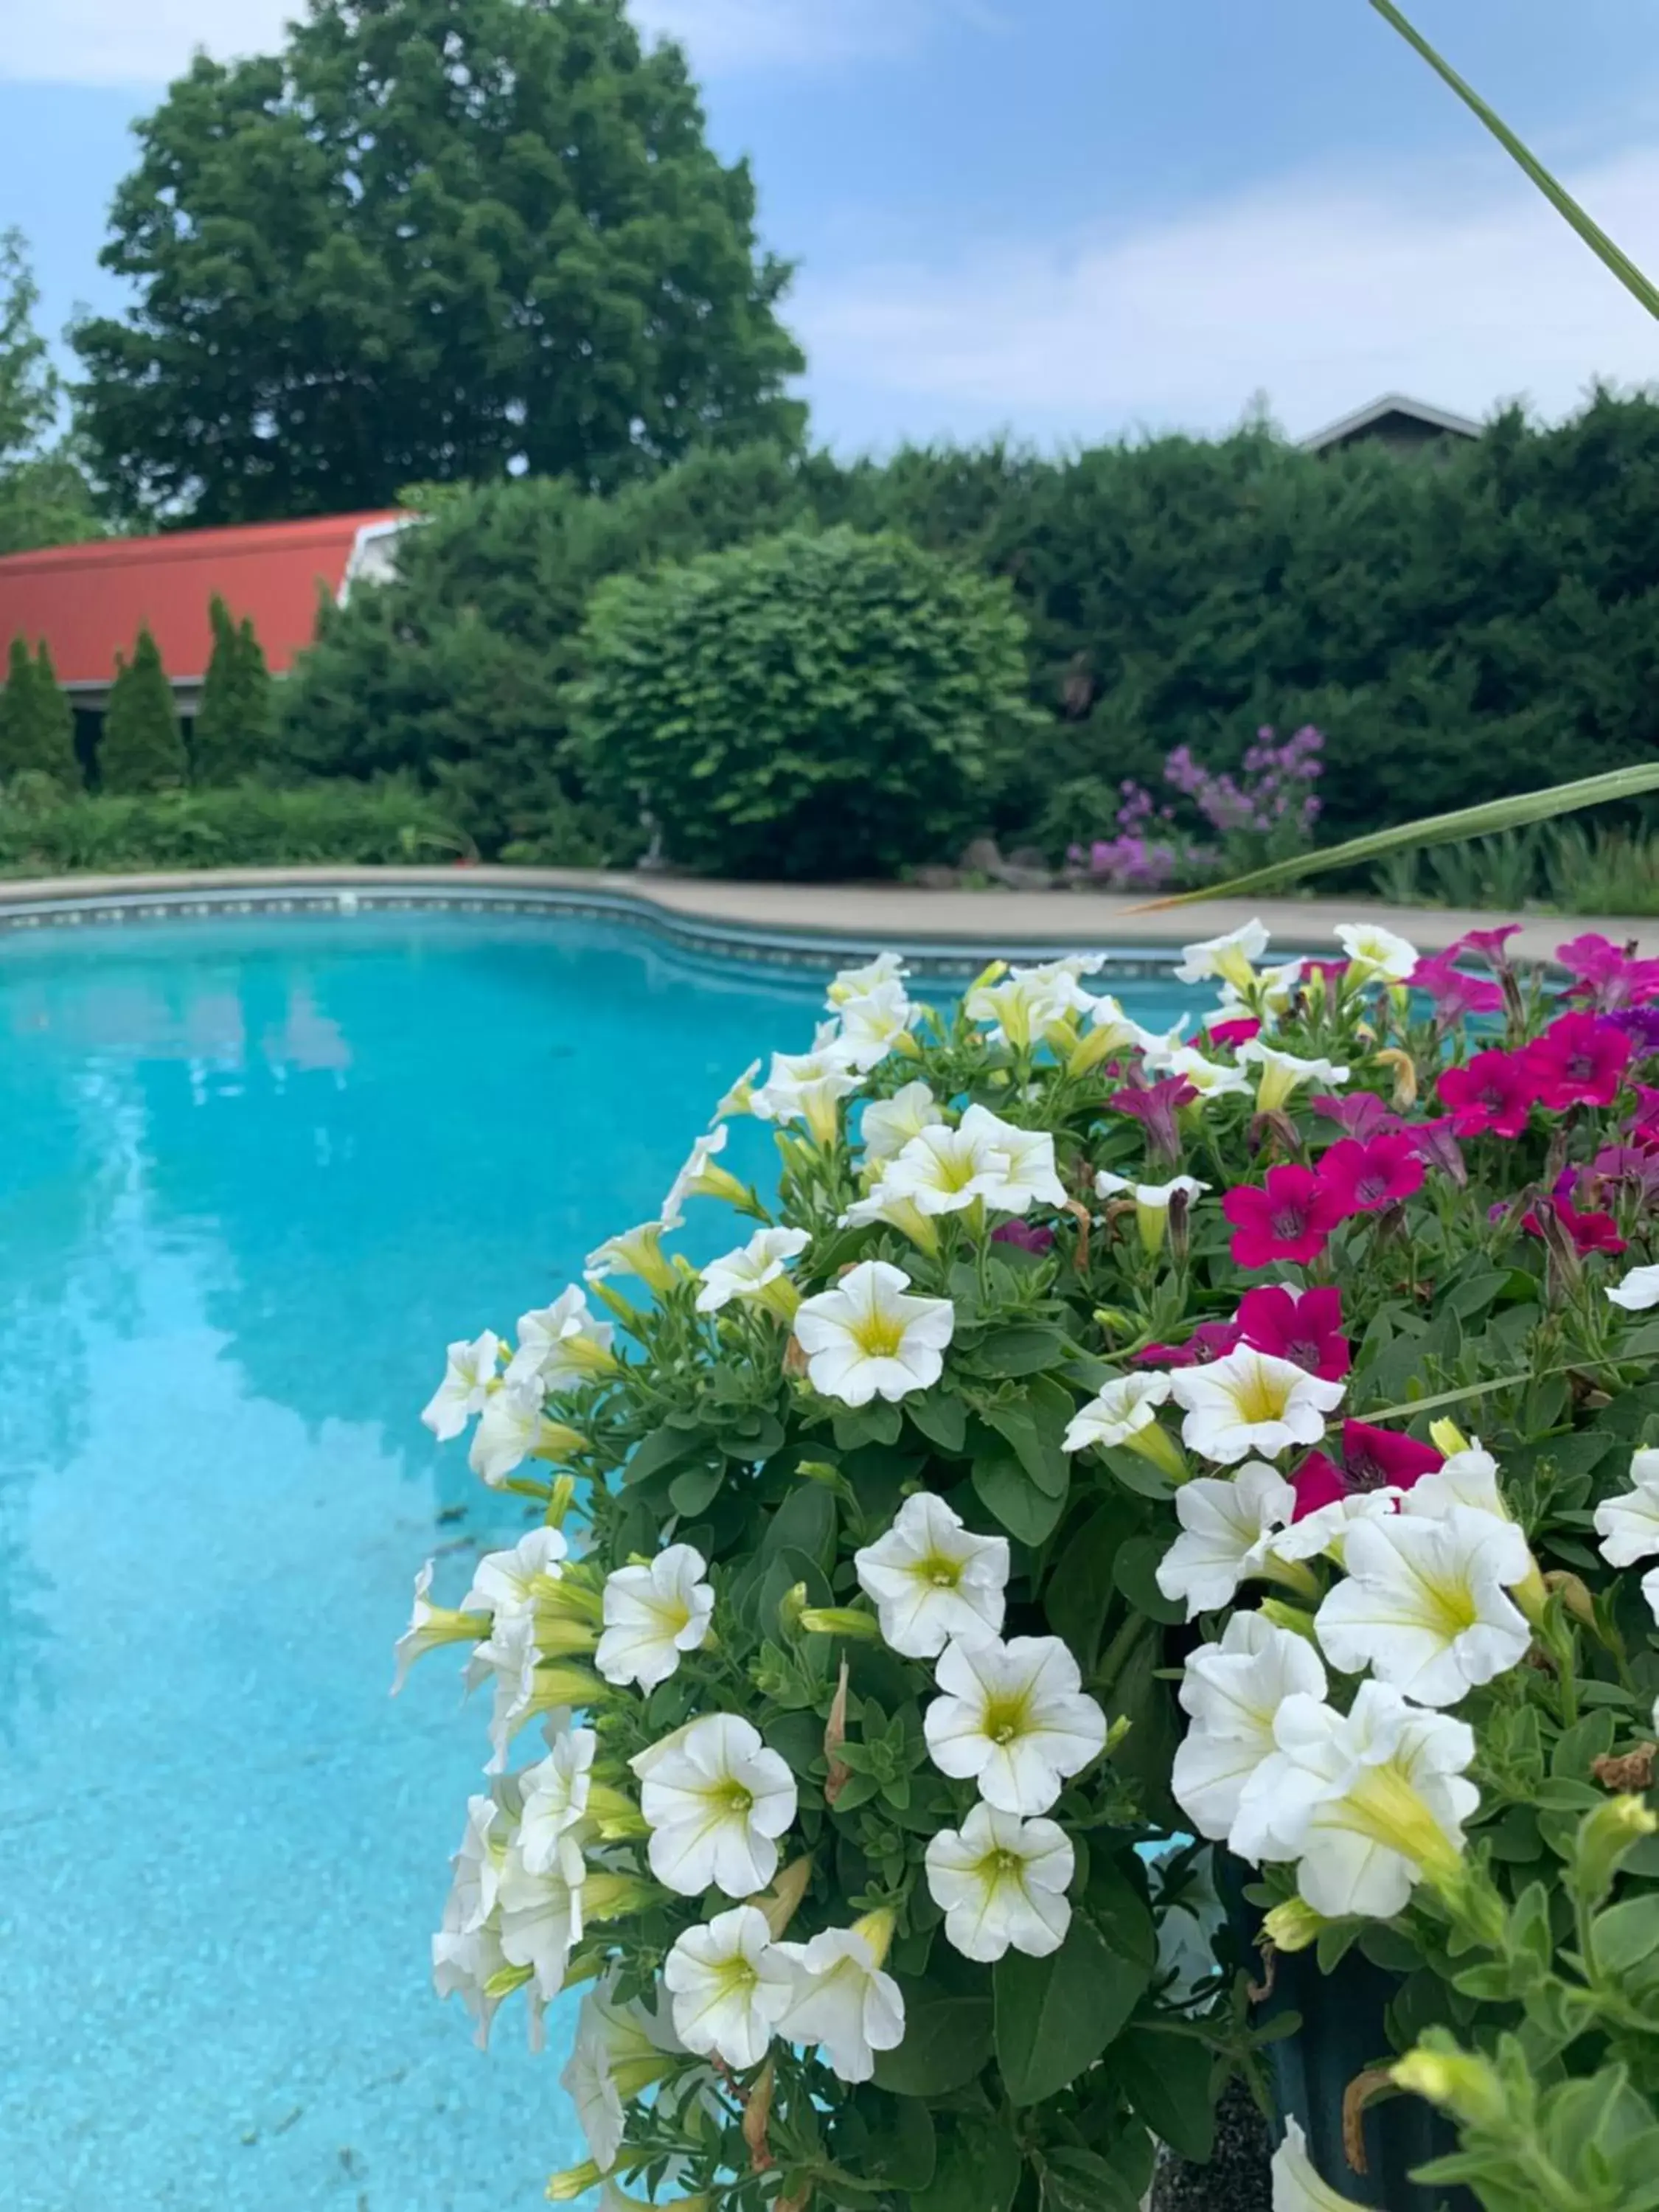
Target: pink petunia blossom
1306	1326
1494	1092
1634	1167
1589	1232
1491	944
1361	1114
1579	1061
1289	1218
1318	1482
1365	1177
1210	1340
1230	1034
1374	1458
1436	1143
1605	975
1454	994
1155	1105
1028	1236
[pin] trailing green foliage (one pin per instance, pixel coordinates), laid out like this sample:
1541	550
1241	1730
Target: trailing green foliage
142	748
247	825
815	704
505	242
231	738
37	723
458	669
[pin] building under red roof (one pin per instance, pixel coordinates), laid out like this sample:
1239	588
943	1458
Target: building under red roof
88	601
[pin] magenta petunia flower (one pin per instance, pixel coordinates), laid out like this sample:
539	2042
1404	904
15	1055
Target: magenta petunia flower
1029	1236
1454	994
1306	1326
1589	1232
1579	1061
1230	1034
1364	1178
1494	1092
1288	1217
1436	1143
1318	1482
1361	1114
1484	943
1210	1340
1632	1166
1374	1458
1605	975
1155	1105
1641	1025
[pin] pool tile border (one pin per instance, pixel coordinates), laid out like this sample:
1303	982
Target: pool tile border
797	950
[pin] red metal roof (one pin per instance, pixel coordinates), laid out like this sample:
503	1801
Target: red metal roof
87	601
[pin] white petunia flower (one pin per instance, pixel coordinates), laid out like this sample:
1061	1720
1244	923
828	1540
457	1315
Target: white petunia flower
807	1086
620	2051
634	1252
871	1025
1026	1177
1628	1524
464	1965
730	1986
1232	1691
866	1339
945	1171
1467	1477
702	1176
653	1615
931	1578
843	2002
1250	1403
715	1800
1271	993
505	1583
542	1914
753	1271
1021	1006
1424	1604
1374	953
476	1879
468	1372
1227	1529
1013	1718
1283	1073
1231	956
1297	2184
1211	1078
556	1792
888	1124
430	1625
1120	1412
1321	1533
888	1207
561	1344
1368	1803
510	1428
1002	1882
737	1099
859	982
1638	1290
1153	1202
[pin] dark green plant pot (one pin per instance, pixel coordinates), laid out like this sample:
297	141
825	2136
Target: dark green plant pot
1342	2032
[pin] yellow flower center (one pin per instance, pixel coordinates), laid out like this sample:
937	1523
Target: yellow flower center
734	1798
878	1335
1005	1719
1383	1806
1258	1394
938	1571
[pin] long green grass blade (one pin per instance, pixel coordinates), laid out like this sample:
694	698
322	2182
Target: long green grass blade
1557	193
1483	821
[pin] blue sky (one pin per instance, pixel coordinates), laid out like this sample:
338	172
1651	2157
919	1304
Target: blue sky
1069	219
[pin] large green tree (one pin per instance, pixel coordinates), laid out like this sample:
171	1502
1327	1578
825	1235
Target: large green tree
45	498
431	239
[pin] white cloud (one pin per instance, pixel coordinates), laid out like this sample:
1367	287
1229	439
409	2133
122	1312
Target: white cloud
1459	286
144	42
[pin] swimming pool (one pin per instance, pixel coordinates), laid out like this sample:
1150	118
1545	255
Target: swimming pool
255	1175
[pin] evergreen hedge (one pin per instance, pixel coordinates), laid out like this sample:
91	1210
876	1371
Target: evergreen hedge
231	732
1458	630
37	722
143	747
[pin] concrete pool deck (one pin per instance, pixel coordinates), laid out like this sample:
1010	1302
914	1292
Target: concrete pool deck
835	915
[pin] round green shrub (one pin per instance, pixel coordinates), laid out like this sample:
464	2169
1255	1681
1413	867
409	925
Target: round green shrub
809	705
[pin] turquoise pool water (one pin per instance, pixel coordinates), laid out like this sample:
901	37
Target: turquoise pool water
254	1176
